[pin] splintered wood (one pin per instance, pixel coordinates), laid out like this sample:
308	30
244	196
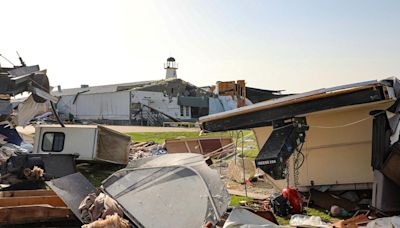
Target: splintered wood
19	207
215	147
145	149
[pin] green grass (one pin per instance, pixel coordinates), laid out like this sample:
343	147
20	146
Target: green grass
96	172
318	212
250	147
235	200
282	220
308	211
160	137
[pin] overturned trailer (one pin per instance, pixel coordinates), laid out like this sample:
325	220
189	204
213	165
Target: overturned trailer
336	137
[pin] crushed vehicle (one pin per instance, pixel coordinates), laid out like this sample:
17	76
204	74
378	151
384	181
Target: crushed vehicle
340	138
87	142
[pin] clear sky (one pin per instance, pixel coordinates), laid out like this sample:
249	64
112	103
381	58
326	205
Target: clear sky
292	45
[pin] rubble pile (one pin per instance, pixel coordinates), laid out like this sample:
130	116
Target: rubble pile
95	208
140	150
109	222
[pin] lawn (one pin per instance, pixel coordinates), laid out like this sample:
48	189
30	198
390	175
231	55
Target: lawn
249	142
235	200
160	137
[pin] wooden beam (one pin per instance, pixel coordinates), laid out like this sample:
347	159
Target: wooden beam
31	200
40	192
33	213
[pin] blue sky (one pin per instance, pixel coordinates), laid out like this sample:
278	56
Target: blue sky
292	45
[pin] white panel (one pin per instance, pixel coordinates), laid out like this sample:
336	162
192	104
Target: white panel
77	141
110	106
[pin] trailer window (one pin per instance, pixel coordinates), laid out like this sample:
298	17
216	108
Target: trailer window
53	142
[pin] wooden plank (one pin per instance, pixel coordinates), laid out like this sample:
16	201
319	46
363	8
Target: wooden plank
40	192
31	200
33	213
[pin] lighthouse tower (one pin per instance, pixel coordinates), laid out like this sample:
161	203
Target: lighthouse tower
171	66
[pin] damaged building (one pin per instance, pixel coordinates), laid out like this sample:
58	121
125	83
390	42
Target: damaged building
339	138
137	103
153	102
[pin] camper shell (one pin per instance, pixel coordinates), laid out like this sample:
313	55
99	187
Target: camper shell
88	142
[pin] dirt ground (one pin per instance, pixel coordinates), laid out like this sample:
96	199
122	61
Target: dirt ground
30	129
260	189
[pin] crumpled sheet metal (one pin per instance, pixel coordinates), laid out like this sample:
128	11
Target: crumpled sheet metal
173	190
72	189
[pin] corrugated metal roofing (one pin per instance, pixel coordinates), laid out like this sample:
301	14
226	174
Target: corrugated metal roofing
102	88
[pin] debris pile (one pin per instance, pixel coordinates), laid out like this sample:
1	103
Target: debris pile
97	207
238	173
110	221
140	150
214	147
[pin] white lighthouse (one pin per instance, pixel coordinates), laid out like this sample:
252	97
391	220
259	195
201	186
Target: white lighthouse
171	66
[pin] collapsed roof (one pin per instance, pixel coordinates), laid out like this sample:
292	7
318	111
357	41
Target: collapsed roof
166	85
263	113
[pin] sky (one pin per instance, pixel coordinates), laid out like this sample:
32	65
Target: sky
295	46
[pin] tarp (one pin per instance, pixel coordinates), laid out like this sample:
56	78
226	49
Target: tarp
173	190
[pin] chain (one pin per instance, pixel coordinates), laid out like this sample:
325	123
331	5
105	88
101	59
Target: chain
296	169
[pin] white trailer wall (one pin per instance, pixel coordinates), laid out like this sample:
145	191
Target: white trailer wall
98	106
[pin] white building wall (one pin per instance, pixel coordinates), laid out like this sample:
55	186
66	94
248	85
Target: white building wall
109	106
158	101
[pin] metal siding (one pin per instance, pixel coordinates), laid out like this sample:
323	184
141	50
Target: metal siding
111	106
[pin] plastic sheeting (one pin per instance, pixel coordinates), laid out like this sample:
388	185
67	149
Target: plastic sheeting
242	218
385	222
28	109
173	190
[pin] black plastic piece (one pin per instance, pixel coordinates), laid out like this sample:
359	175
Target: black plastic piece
286	136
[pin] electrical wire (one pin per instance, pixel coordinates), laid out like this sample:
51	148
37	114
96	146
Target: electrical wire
7	60
296	165
348	124
244	169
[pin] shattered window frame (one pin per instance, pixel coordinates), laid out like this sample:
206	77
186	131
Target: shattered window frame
55	143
